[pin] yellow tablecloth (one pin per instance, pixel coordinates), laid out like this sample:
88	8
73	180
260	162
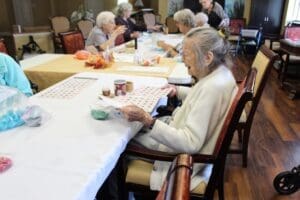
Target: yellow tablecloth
51	72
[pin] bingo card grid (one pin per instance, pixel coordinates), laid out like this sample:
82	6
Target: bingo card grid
67	89
145	97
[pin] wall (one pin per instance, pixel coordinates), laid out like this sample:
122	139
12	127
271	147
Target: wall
66	8
109	4
248	9
7	18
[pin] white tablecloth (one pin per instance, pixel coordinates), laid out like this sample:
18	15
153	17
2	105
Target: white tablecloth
70	156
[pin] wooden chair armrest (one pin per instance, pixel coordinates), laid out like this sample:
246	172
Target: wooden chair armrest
140	151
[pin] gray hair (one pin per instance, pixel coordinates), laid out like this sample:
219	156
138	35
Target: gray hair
105	17
122	7
209	40
202	18
185	17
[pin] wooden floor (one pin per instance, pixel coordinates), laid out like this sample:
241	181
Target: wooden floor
274	144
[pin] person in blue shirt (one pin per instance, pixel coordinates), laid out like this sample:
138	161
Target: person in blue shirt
12	75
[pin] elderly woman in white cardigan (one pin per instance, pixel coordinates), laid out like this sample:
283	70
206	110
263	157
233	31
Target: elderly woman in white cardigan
195	126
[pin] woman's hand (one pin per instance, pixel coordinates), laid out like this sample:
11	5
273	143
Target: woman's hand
173	91
134	113
165	46
119	30
161	44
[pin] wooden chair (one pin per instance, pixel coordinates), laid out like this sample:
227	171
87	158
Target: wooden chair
59	24
170	23
235	26
263	63
149	19
72	41
177	183
3	48
138	171
85	26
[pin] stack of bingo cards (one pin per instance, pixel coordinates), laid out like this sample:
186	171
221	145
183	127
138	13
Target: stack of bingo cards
145	97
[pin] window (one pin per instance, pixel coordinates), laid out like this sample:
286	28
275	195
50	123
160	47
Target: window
293	12
122	1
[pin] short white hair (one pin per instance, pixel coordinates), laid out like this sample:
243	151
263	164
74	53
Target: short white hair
122	7
105	17
185	17
201	17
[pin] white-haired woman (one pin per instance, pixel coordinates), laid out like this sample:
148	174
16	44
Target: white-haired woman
185	21
105	33
217	17
195	126
201	20
123	18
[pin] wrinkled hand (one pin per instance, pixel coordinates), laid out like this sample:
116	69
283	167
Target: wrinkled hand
164	45
134	113
161	43
173	91
118	31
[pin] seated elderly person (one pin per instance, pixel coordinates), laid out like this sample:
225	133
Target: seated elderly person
194	126
217	17
123	18
12	75
185	21
201	20
105	33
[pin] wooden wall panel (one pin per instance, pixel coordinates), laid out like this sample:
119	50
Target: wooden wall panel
7	17
41	12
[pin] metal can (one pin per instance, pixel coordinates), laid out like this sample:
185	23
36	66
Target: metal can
120	87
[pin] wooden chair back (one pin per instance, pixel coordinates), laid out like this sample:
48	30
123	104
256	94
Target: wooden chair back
85	26
171	24
218	158
292	33
149	19
119	40
72	41
177	183
60	24
263	63
236	24
3	48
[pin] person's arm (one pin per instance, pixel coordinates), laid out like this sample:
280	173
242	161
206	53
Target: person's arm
11	74
111	41
172	52
204	116
129	34
222	14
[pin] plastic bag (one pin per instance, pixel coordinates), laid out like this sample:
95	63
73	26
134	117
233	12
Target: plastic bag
16	111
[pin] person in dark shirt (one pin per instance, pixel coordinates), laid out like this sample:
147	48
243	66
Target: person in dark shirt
217	17
123	18
193	5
